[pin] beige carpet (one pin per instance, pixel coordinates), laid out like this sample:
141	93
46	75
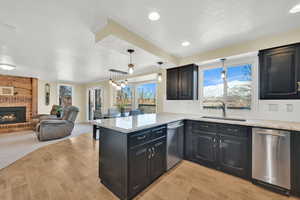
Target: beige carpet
14	146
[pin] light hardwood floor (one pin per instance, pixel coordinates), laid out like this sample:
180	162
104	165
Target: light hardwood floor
69	170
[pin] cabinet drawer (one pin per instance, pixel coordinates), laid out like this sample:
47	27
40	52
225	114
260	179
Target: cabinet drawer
158	132
203	126
234	130
140	138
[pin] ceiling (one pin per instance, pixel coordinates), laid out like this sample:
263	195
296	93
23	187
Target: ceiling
54	39
206	24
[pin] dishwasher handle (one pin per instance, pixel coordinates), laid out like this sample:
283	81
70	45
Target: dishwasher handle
272	132
175	125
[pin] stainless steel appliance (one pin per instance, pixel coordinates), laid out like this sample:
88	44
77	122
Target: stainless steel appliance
271	162
175	137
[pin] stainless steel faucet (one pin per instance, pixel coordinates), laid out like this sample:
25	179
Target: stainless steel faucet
223	107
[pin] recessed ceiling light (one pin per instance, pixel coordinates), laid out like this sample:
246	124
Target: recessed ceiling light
6	66
185	43
154	16
295	9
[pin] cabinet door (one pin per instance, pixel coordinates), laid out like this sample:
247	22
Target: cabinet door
279	73
139	158
172	84
158	158
204	149
186	83
234	155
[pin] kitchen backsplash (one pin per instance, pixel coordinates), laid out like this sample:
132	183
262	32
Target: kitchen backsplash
285	110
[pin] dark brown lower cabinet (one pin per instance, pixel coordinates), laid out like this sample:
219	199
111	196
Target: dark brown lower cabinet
129	162
227	152
158	159
146	163
138	169
203	148
233	153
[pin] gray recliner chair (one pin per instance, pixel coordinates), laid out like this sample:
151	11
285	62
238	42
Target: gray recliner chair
57	128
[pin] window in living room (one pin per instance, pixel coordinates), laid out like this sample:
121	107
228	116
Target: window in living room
124	98
146	97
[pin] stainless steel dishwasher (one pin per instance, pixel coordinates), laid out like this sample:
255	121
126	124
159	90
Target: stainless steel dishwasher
175	137
271	162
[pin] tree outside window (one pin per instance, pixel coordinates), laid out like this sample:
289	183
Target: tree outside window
234	89
147	97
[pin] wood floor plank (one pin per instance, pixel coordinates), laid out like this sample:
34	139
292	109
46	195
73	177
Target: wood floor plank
69	170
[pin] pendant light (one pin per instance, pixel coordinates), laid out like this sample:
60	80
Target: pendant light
110	79
223	73
159	75
130	65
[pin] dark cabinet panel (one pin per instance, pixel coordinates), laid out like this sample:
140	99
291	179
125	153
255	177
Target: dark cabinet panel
182	83
199	142
280	72
187	82
147	158
158	159
233	155
139	169
204	148
220	146
172	84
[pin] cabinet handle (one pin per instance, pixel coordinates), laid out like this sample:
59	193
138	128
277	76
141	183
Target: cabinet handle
150	153
141	137
298	84
220	143
153	152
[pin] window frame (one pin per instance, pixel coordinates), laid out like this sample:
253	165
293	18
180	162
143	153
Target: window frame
135	86
136	104
230	63
102	99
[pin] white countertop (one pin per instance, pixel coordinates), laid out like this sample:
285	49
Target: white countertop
139	122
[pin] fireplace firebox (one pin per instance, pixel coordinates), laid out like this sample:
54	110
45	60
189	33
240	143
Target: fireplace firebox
11	115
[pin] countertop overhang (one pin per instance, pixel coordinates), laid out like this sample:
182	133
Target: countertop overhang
140	122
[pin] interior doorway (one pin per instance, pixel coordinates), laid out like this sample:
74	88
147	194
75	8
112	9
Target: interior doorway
94	102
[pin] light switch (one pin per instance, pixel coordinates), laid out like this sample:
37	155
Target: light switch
273	107
289	107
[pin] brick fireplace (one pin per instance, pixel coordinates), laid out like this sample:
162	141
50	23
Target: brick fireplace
12	115
18	110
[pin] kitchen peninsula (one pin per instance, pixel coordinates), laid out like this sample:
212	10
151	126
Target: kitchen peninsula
132	151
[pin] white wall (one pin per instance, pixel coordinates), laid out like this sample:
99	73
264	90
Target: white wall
78	91
42	107
260	108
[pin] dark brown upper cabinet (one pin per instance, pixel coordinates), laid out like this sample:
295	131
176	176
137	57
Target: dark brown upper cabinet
182	83
280	72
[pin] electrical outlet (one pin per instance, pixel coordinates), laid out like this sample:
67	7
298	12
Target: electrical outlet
273	107
289	107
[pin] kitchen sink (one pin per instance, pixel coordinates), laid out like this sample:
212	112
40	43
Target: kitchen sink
224	118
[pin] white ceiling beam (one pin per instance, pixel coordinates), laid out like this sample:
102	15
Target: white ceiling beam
113	28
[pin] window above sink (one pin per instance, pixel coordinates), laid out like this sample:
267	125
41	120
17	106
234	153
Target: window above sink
231	84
